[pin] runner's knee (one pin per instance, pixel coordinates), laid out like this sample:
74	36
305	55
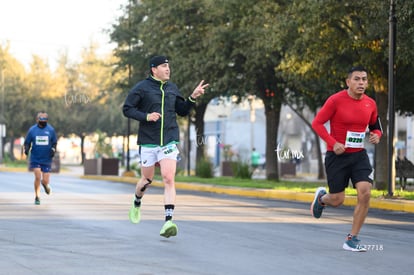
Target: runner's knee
336	200
146	183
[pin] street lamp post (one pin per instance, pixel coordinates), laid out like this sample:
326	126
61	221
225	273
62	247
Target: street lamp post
129	67
221	137
250	98
188	146
2	119
391	97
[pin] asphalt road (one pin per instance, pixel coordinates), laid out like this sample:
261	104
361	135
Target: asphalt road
83	228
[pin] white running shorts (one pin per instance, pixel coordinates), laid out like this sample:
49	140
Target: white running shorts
152	155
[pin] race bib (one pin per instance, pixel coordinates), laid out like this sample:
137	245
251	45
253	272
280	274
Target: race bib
169	149
42	140
354	139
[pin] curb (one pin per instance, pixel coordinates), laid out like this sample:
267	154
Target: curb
378	203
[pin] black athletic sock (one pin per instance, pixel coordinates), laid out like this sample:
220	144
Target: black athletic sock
137	201
169	211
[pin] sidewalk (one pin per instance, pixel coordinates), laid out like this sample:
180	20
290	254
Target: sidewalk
378	203
75	170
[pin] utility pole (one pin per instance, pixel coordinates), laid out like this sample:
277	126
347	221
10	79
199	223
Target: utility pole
129	67
2	119
252	110
188	146
391	99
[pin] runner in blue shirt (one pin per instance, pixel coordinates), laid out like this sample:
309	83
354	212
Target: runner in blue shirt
41	143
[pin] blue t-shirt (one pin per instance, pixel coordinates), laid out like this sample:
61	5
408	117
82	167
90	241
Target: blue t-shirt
41	141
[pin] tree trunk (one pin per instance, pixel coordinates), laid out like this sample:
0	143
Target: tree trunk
381	154
200	110
272	113
11	149
321	167
82	136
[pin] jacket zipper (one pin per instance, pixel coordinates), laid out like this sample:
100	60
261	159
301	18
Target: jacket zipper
162	115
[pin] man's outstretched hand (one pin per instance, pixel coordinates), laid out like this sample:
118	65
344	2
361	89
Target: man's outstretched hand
199	90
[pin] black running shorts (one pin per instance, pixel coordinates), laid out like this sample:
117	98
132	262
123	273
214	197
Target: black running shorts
348	166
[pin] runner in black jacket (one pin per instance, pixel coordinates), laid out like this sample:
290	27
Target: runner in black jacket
155	103
153	95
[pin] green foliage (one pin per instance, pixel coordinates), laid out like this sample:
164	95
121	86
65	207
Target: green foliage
241	170
299	49
79	98
325	38
180	171
298	186
14	163
233	45
135	167
204	169
228	152
253	183
102	147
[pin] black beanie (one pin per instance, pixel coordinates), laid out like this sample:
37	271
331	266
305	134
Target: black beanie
158	60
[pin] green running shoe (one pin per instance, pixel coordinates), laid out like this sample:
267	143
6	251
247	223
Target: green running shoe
169	229
37	201
134	214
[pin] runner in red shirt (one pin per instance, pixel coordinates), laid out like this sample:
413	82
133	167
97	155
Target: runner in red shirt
350	113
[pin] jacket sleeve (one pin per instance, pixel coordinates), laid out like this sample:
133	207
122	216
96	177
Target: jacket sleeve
183	106
130	108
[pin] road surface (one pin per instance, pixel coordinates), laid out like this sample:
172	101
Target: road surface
83	228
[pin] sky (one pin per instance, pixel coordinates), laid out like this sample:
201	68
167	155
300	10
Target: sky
49	27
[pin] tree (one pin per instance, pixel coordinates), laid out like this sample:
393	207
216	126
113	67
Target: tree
145	31
299	51
91	102
404	56
329	38
16	101
252	34
232	44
